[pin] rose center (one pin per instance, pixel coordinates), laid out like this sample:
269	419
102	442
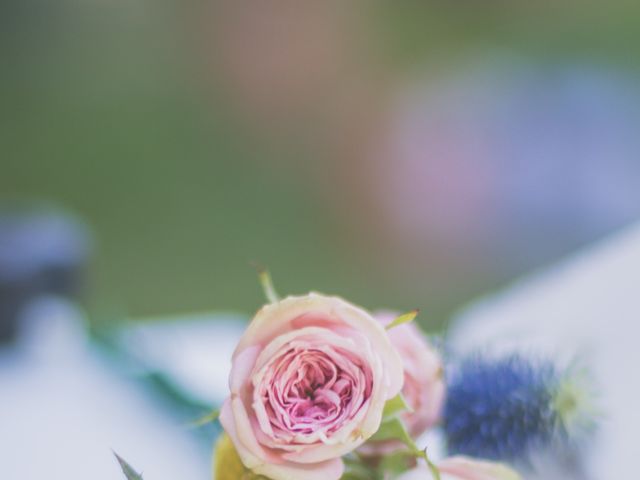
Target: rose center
311	390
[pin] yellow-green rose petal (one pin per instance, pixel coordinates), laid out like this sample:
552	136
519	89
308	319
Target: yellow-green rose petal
227	464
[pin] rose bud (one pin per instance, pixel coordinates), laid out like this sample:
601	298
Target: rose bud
463	468
424	386
309	381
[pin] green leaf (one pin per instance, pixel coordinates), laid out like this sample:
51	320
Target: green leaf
352	475
394	407
394	429
404	318
205	419
355	470
396	463
128	471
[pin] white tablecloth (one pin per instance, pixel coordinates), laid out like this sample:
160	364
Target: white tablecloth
589	306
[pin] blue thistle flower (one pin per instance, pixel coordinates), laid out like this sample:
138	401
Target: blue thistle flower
505	409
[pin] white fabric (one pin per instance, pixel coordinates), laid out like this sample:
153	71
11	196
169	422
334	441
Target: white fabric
62	411
194	352
587	306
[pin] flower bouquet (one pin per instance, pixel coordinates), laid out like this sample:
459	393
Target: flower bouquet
321	389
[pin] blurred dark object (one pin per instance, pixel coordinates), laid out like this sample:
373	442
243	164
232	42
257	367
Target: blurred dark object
42	252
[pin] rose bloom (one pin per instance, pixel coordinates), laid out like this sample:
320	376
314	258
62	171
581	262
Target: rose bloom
462	468
424	386
309	380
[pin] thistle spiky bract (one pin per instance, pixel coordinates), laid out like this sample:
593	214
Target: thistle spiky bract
507	408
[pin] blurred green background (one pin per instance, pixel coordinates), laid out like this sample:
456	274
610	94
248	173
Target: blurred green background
194	138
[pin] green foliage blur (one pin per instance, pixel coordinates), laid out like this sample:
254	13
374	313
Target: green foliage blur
112	110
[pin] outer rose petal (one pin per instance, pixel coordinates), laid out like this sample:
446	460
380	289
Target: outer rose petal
329	470
241	369
289	314
462	468
260	462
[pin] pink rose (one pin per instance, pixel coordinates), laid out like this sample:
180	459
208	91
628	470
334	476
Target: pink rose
462	468
424	387
309	380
